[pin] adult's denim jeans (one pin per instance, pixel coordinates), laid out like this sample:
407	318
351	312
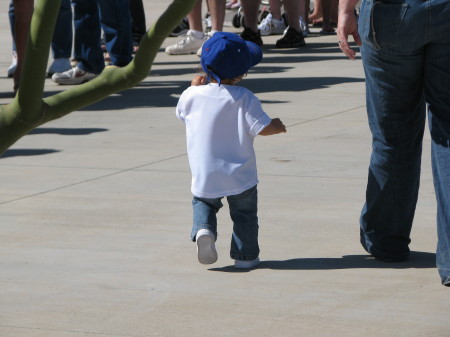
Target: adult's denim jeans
406	57
243	212
113	16
62	35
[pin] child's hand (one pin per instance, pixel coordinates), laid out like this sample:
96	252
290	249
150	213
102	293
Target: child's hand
198	80
276	126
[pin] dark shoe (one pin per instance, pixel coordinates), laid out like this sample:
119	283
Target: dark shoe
252	36
181	29
291	39
327	32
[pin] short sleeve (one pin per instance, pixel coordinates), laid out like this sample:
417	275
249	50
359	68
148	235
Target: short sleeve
255	116
180	110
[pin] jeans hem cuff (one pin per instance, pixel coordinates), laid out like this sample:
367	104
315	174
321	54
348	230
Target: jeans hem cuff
194	232
244	257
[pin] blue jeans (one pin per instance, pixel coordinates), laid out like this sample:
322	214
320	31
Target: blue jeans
243	212
62	36
406	57
113	16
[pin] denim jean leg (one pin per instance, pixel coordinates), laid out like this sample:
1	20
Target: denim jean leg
393	65
116	23
62	36
87	47
243	212
437	78
12	22
205	211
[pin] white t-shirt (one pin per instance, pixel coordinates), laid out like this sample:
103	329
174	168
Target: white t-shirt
221	123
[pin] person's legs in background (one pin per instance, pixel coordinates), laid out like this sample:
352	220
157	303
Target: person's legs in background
116	24
12	20
293	37
251	31
23	11
273	23
62	40
87	36
217	12
327	28
138	23
87	49
195	37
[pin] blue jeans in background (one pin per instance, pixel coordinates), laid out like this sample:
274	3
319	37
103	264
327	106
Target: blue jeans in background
406	57
113	16
243	212
62	35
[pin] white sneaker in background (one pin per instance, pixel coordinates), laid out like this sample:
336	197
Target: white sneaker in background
304	27
271	26
187	44
73	76
12	68
207	36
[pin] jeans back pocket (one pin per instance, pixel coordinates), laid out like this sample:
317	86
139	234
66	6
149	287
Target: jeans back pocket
380	23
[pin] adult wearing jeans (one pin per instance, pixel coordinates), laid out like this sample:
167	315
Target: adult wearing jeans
405	49
90	16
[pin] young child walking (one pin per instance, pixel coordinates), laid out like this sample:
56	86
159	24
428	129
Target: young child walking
221	122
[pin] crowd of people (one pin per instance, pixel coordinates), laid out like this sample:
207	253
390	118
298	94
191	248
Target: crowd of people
108	32
292	23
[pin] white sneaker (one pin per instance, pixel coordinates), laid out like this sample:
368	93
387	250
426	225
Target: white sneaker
187	44
59	65
246	264
207	36
12	68
206	248
73	76
271	26
208	23
304	27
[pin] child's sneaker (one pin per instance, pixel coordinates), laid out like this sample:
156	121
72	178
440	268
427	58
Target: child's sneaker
291	39
188	44
271	26
206	248
239	264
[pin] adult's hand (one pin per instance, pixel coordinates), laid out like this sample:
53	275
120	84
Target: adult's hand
347	25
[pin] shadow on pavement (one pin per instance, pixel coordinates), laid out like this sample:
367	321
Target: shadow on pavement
66	131
166	93
27	152
417	260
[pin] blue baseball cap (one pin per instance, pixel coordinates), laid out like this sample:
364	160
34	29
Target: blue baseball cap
227	55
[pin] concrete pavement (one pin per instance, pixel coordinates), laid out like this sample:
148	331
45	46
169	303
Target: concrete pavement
95	216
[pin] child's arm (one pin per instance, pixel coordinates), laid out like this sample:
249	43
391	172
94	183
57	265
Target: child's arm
276	126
